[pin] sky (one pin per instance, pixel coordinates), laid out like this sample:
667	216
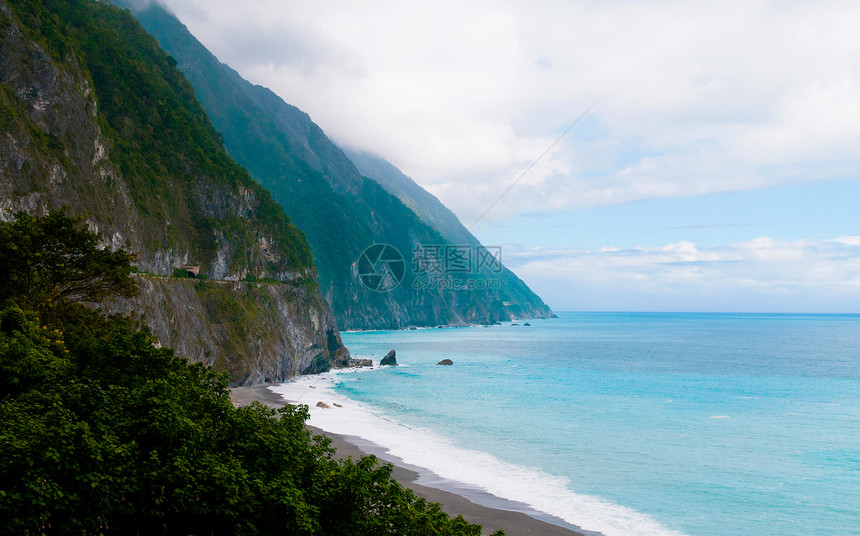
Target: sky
657	156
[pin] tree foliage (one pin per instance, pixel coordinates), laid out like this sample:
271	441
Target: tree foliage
103	433
53	258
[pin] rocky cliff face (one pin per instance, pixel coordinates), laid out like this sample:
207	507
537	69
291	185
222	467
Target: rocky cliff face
256	332
52	150
96	120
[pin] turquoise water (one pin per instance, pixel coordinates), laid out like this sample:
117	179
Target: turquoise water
710	424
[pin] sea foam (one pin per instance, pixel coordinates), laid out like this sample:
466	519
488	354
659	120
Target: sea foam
536	489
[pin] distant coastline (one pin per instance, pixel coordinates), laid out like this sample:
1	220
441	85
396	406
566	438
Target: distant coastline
449	326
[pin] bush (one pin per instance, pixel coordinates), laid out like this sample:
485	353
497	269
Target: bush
182	273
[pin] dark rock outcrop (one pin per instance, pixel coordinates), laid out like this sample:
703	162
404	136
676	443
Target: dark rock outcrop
389	359
359	363
445	362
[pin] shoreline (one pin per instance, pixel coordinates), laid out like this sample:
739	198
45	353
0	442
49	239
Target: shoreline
514	518
451	326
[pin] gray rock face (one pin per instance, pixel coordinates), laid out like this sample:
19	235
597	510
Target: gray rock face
284	331
389	359
43	97
358	363
447	362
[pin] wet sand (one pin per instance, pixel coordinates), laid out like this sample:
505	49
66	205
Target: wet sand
512	518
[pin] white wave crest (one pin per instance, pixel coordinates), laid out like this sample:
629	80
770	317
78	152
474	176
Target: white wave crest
535	488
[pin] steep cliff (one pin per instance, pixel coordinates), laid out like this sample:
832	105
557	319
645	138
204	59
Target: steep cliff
341	211
255	332
96	119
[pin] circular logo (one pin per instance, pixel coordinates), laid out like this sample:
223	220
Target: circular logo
381	267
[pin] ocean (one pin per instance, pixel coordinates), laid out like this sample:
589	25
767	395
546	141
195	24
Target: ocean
620	423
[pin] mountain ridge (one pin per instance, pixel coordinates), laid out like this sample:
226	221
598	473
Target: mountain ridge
341	211
428	207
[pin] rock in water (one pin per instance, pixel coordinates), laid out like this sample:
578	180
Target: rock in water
389	359
445	362
527	324
360	363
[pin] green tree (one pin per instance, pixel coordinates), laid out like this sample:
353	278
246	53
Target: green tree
54	258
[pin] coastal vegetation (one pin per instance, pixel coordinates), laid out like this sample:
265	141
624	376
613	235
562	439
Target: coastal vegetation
101	432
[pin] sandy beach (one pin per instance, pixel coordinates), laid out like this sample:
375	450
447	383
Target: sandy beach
513	522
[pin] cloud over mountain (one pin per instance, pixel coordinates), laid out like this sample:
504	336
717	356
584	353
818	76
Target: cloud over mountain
691	98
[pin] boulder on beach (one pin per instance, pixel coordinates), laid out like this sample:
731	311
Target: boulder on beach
445	362
357	363
322	404
389	359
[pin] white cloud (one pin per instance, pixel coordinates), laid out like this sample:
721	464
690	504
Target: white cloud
757	275
692	97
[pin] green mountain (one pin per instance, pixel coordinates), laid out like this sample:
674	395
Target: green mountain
423	203
341	211
433	213
97	119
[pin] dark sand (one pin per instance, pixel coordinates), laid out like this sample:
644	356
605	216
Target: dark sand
513	520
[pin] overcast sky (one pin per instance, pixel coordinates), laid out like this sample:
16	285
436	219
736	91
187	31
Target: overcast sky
716	168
